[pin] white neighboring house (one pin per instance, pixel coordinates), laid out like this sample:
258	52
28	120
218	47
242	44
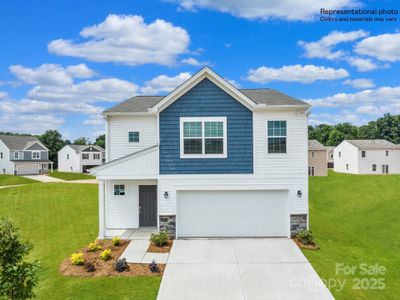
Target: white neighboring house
207	160
80	158
367	157
23	155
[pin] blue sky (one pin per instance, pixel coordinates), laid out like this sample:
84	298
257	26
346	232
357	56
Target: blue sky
63	62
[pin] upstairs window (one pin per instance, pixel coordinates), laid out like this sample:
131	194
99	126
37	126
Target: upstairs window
387	153
96	155
340	154
1	155
312	154
331	155
85	155
67	156
16	155
35	155
203	137
119	189
277	137
363	154
133	136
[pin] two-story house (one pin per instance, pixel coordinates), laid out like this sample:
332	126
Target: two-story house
367	157
80	158
23	155
317	159
207	160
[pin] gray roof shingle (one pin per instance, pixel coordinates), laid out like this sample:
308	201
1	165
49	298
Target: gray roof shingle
373	144
18	142
315	145
139	104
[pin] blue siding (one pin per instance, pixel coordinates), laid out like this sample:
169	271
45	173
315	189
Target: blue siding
206	99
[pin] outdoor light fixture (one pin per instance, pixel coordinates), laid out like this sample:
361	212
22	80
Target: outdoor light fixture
299	193
166	195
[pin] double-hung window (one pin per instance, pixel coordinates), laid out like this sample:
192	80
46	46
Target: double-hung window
35	155
85	155
277	138
96	155
203	137
16	155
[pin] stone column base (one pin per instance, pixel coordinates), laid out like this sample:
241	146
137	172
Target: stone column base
168	224
297	223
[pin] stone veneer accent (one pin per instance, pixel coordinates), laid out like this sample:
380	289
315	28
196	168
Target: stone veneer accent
168	224
297	223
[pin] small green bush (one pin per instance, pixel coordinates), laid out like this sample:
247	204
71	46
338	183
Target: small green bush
77	259
116	241
93	247
159	239
306	237
105	255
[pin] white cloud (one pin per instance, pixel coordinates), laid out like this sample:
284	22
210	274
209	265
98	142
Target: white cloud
29	123
324	47
335	118
163	83
194	62
295	73
385	47
51	74
362	64
110	89
304	10
127	39
360	83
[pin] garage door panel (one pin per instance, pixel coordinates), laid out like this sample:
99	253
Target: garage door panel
232	213
27	169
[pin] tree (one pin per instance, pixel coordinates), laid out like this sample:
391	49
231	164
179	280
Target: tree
101	141
388	128
18	277
52	139
335	137
81	141
369	131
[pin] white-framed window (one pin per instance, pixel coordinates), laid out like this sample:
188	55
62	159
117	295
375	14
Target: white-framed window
35	155
277	137
347	167
133	136
340	154
16	155
67	156
119	189
85	155
387	153
312	154
363	154
1	155
331	155
374	167
96	155
203	137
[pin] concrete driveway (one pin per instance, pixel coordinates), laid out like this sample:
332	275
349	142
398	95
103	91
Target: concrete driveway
239	269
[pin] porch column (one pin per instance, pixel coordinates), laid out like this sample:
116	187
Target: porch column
101	209
51	168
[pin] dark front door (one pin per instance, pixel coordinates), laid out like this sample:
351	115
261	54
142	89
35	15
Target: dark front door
147	205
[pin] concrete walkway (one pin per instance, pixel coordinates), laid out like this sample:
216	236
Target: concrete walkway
136	252
48	179
11	186
240	269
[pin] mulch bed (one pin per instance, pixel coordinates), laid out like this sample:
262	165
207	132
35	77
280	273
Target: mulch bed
308	247
106	268
164	249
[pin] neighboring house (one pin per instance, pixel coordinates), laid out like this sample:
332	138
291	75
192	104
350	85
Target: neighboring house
367	157
317	159
330	157
80	158
207	160
23	155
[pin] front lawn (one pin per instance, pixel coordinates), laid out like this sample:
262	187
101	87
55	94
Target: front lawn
14	180
59	218
68	176
355	219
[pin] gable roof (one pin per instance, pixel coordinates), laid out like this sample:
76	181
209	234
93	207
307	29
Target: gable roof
373	144
315	145
20	142
80	148
251	98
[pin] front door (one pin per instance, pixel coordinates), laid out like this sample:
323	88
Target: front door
147	205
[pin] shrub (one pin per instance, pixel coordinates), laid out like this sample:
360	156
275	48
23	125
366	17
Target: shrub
306	237
121	265
89	267
160	239
77	259
18	277
153	267
93	247
105	255
116	241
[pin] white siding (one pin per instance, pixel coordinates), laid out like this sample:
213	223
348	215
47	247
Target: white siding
91	161
118	128
68	160
379	158
348	156
6	166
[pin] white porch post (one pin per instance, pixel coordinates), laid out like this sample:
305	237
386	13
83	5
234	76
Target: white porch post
101	209
51	168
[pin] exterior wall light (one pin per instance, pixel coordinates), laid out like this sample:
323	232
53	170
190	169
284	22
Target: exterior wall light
166	195
299	193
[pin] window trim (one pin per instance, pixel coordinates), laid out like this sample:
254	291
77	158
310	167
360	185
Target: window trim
35	152
88	156
96	154
275	155
203	120
119	189
138	134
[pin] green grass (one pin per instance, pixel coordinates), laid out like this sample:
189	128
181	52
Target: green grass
355	219
70	176
14	180
60	218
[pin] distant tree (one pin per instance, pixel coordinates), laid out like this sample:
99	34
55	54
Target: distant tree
101	141
81	141
18	277
335	137
321	132
369	131
52	139
388	128
349	131
68	142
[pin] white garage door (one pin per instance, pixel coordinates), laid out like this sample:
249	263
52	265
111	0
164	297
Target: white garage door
27	169
232	213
